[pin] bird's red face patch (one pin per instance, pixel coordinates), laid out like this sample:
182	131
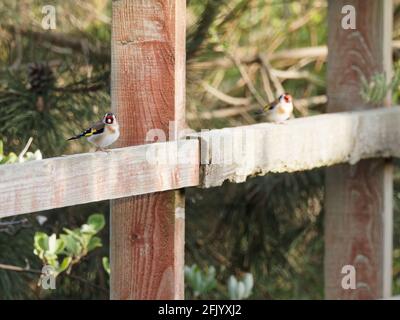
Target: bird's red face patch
109	119
287	98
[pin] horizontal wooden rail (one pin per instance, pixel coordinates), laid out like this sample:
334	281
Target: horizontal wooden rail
234	154
89	177
227	154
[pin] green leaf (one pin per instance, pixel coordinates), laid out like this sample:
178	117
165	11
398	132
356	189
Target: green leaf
64	264
232	287
72	245
52	243
97	221
76	233
85	239
41	241
198	280
50	256
88	229
38	155
94	242
59	246
211	273
12	158
240	290
53	262
106	264
248	282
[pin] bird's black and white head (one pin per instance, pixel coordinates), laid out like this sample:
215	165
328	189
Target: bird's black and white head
109	118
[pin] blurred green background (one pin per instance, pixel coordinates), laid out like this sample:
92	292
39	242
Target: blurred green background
240	55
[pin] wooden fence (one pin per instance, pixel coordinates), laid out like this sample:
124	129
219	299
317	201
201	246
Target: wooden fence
147	213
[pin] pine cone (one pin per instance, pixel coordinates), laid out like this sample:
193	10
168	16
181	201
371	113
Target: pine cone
40	77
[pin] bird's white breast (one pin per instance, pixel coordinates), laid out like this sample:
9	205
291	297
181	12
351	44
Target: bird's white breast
108	137
280	113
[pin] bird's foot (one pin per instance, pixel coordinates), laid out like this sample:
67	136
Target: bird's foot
103	149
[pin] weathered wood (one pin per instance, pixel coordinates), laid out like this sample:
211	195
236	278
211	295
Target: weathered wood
88	177
148	92
228	154
234	154
358	219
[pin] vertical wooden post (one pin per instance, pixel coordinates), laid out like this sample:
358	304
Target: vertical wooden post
358	222
148	92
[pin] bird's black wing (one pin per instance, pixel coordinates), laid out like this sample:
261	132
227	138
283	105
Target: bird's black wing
271	106
97	128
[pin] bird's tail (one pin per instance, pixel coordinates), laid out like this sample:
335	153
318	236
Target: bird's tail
75	137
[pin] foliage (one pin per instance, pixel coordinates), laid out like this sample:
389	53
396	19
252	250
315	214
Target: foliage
49	115
200	282
22	157
16	249
269	226
240	289
106	264
226	63
46	90
73	244
377	89
48	249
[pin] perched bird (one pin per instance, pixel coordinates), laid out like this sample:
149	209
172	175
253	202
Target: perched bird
279	110
102	133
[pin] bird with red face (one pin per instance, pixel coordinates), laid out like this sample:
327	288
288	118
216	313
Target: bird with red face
102	133
279	110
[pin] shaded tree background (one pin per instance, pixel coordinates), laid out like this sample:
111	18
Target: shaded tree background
240	55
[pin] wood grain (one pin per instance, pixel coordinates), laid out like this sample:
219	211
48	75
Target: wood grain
358	222
148	92
82	178
234	154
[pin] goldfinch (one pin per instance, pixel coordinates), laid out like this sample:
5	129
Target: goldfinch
102	133
279	110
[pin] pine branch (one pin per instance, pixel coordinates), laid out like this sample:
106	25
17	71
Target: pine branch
197	37
101	52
